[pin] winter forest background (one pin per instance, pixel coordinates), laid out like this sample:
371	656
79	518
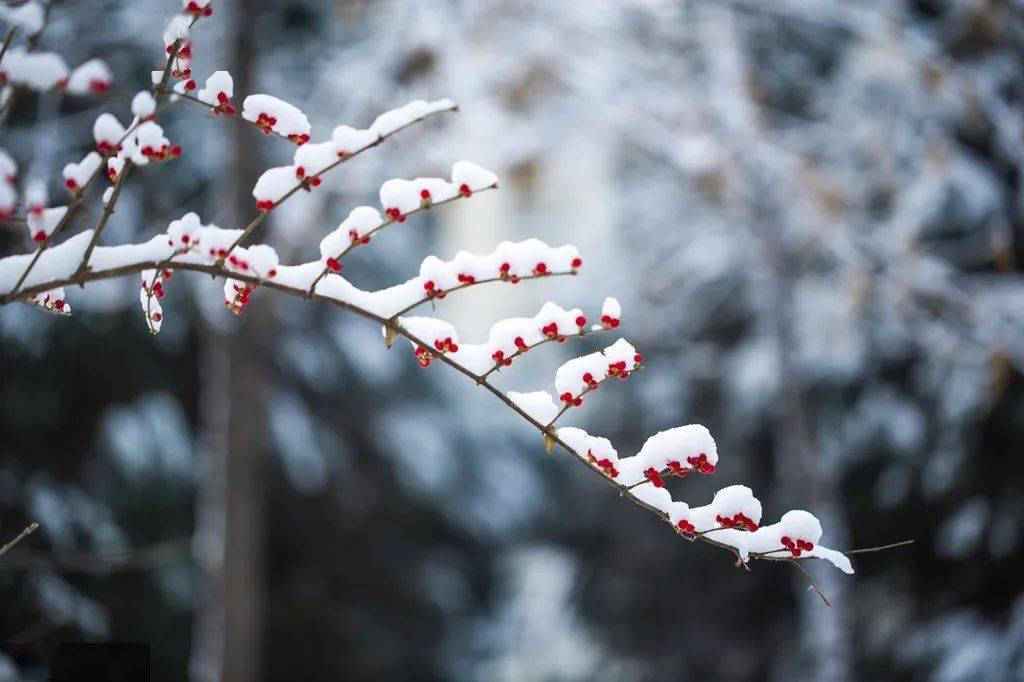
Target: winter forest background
812	212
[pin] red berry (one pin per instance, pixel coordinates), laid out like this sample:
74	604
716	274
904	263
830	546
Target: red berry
581	321
576	262
654	477
334	265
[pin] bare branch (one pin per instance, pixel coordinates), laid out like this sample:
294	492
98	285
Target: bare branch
28	530
811	581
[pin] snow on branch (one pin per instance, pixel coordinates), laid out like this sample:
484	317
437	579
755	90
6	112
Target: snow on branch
730	521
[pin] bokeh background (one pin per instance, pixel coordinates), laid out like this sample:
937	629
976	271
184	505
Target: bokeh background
812	212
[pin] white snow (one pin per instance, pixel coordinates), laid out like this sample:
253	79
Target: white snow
183	233
435	276
313	159
391	121
580	373
108	132
348	141
55	263
611	313
679	447
274	184
538	404
436	334
273	114
599	451
472	176
76	175
360	222
92	76
42	223
29	17
734	504
34	70
176	29
8	200
508	336
220	83
8	168
143	104
52	300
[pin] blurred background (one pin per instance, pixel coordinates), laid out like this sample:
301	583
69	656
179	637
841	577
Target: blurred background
812	212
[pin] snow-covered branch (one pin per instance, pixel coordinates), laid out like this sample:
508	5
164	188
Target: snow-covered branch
731	520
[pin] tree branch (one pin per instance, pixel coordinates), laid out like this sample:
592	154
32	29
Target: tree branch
29	529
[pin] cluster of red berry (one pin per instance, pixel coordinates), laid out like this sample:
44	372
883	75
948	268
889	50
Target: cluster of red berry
739	521
241	298
224	105
604	464
196	11
796	548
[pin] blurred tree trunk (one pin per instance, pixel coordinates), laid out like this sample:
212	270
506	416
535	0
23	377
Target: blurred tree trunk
229	533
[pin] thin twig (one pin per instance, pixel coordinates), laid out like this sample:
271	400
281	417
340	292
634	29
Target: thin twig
237	115
28	530
306	183
102	563
7	43
525	349
108	210
79	197
865	550
568	406
811	581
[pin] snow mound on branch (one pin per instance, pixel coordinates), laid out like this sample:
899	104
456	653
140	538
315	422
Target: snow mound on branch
361	221
391	121
581	373
34	70
217	83
58	262
511	335
107	131
682	446
29	17
279	116
76	175
435	275
143	104
538	404
92	76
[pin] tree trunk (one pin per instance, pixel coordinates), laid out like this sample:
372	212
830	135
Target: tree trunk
229	526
